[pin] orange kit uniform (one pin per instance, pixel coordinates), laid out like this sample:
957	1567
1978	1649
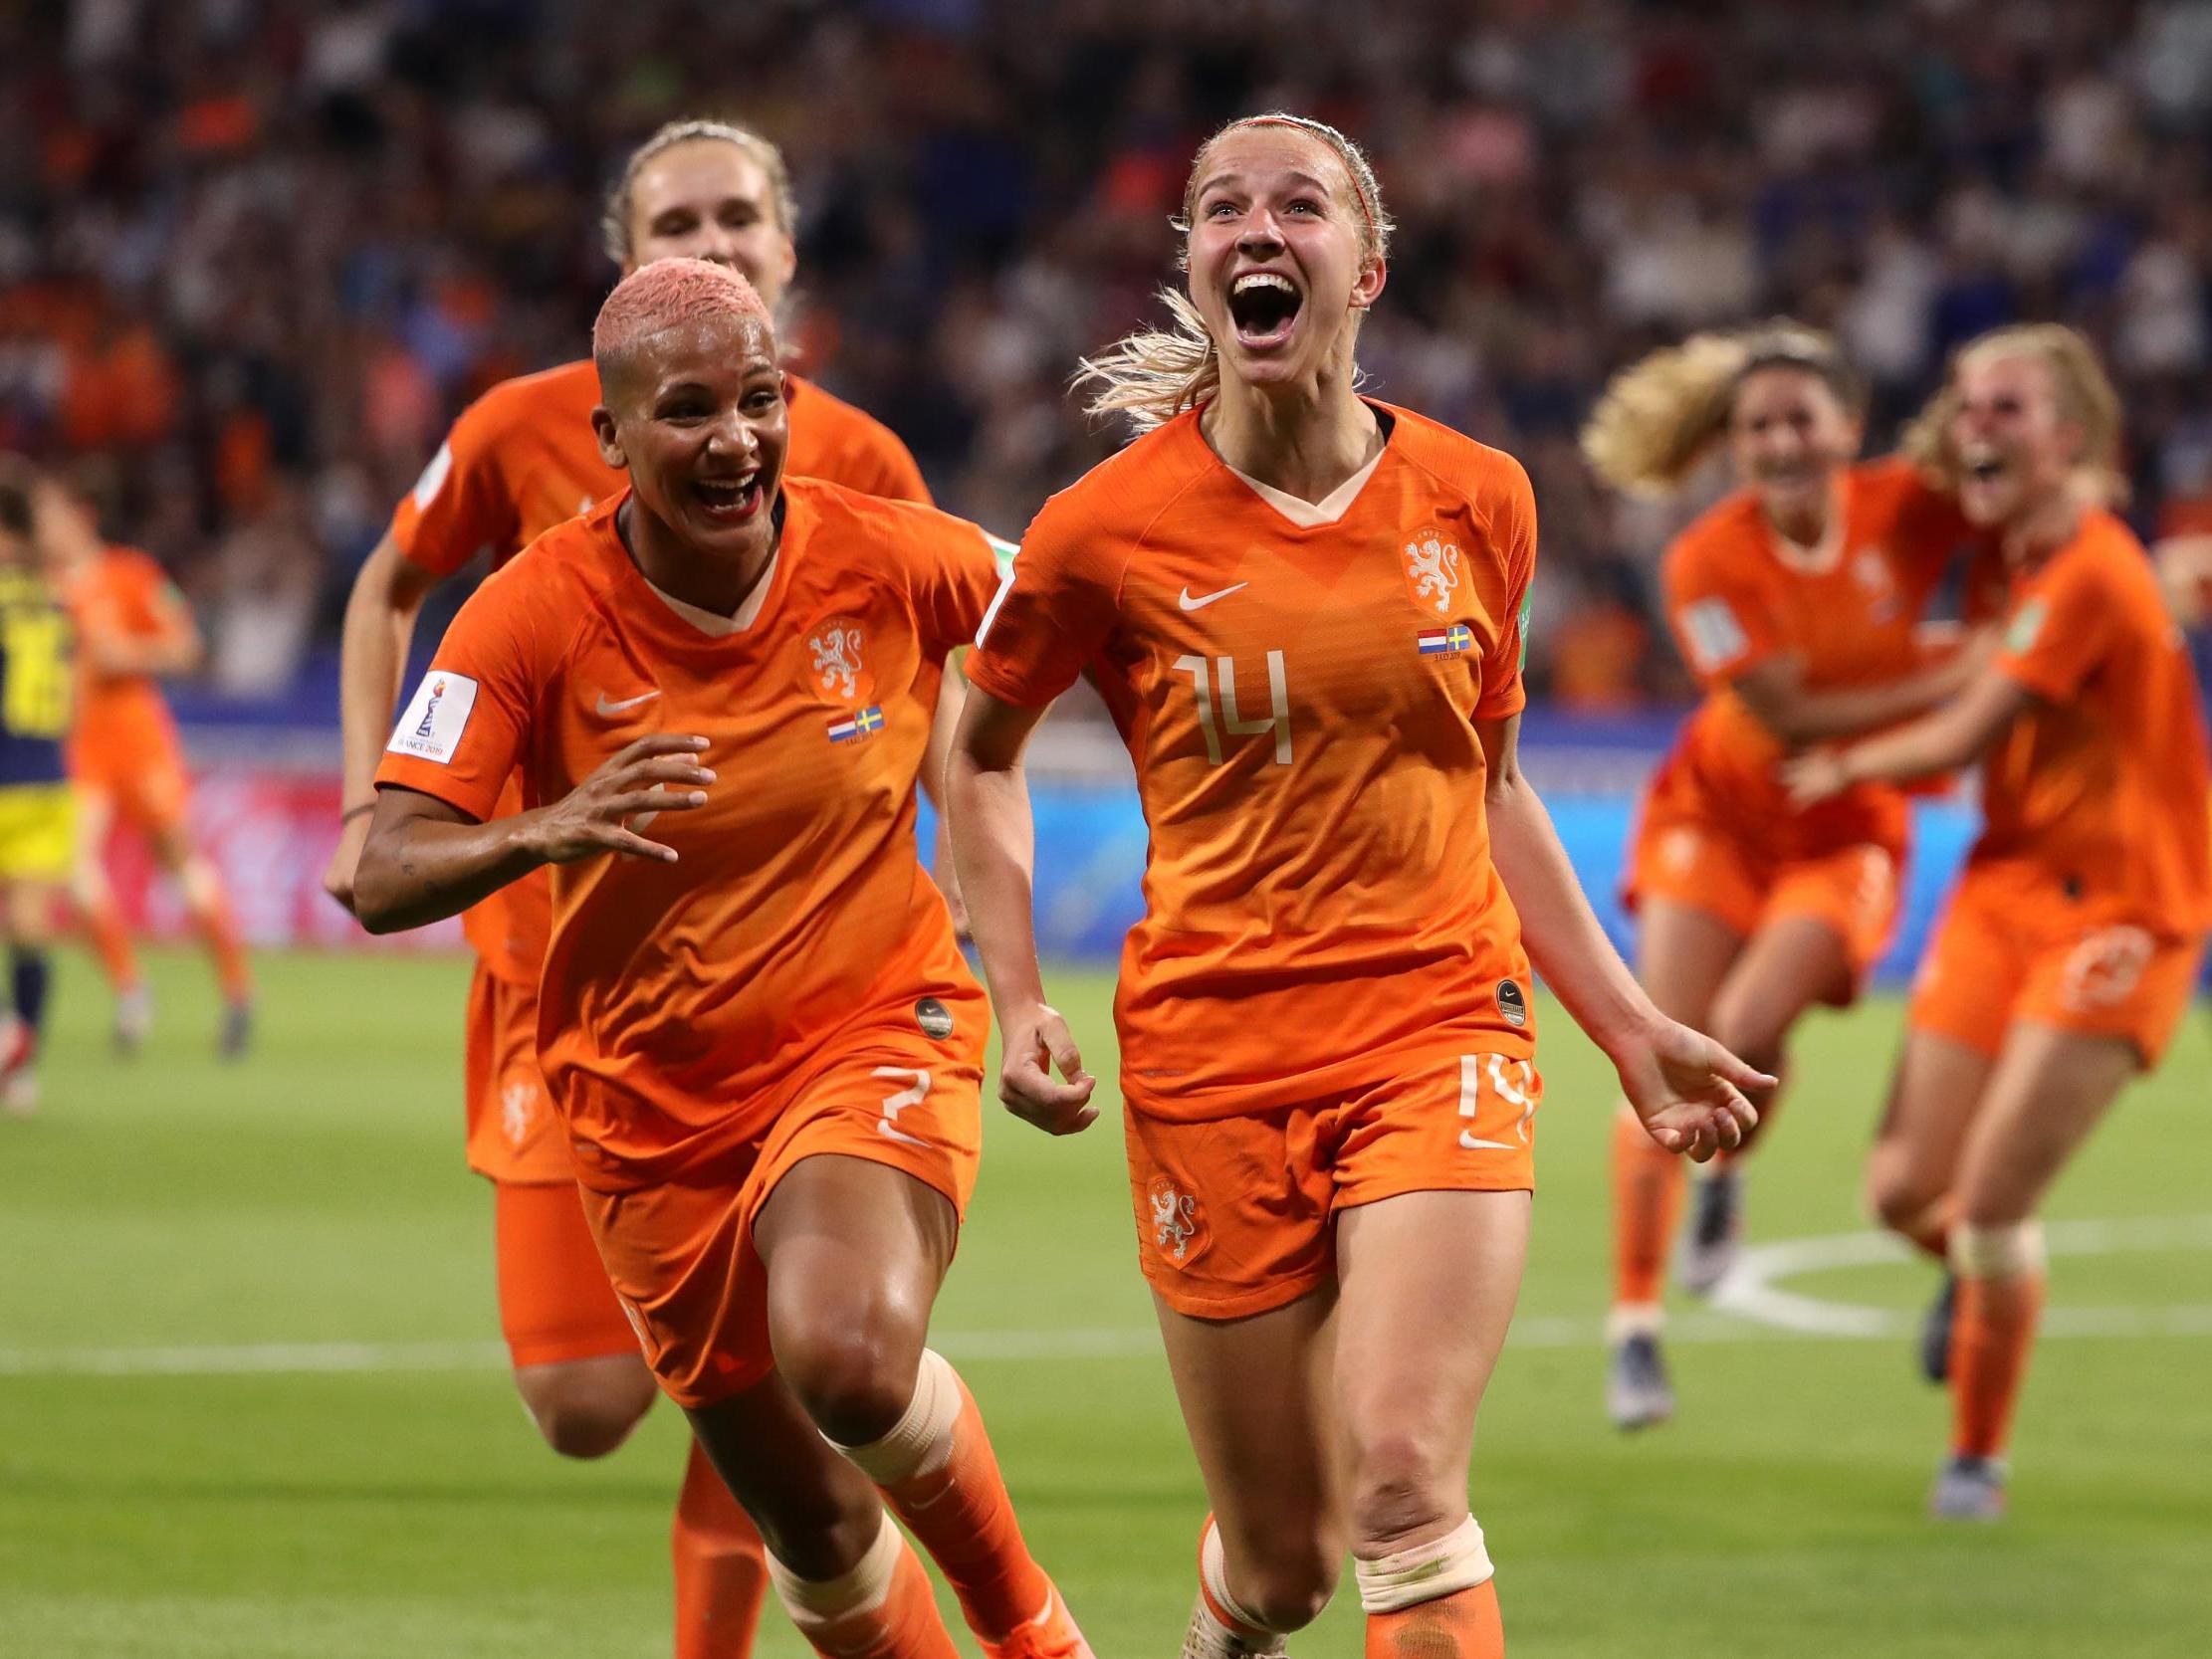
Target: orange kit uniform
1716	830
124	744
517	462
792	986
2084	903
1326	1003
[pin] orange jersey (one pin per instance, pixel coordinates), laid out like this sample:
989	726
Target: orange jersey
2100	784
675	997
522	459
122	721
1737	596
1302	703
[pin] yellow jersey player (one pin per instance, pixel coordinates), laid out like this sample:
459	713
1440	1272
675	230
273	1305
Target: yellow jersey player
37	830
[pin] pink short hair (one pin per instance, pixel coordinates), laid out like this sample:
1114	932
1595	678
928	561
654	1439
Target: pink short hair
665	294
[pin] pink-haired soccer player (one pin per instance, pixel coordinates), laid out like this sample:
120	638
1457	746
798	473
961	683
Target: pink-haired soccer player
755	1017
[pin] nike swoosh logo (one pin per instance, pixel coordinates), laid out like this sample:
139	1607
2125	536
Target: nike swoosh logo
606	709
1472	1142
1198	604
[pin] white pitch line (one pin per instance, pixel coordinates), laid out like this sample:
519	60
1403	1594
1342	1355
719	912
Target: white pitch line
1748	1307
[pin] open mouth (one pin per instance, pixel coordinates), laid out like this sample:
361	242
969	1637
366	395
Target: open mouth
1263	306
730	501
1983	466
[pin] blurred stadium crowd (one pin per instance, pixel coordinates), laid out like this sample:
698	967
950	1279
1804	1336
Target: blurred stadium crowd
254	255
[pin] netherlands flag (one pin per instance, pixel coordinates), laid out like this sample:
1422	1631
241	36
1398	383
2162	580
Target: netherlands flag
1445	642
860	725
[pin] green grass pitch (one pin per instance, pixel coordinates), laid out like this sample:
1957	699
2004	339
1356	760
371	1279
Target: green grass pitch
250	1405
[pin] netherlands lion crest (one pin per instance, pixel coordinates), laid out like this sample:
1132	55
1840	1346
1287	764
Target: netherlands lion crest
1175	1221
836	668
1432	569
518	1109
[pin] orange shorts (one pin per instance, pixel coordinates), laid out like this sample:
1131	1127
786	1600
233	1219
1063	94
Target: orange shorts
681	1253
146	788
1852	890
514	1132
554	1302
1237	1215
2009	948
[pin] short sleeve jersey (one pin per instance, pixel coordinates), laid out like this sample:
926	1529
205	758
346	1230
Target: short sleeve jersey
675	996
522	459
1302	702
2101	782
126	596
1737	596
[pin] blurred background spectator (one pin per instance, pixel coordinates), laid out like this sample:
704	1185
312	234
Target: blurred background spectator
258	253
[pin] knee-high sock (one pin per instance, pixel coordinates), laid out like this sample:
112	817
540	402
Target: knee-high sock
1996	1327
938	1470
28	976
722	1570
111	943
210	906
1647	1186
1434	1601
881	1609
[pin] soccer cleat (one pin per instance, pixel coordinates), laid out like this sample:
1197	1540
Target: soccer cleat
1715	1233
133	1019
1636	1391
1050	1635
1935	1333
1208	1639
237	1030
1969	1489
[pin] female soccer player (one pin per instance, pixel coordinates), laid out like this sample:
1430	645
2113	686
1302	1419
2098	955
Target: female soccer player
2071	940
1304	609
765	1047
125	763
520	461
1796	603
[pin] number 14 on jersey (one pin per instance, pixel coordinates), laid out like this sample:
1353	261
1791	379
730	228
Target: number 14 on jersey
1221	672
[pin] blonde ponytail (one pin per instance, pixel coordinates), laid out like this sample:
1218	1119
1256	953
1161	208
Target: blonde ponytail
1660	417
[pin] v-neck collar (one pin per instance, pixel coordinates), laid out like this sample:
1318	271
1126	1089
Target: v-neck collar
1300	513
1825	556
683	626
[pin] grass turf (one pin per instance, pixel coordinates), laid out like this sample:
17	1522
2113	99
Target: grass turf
226	1497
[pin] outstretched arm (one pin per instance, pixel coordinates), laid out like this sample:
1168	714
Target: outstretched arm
1685	1088
1939	743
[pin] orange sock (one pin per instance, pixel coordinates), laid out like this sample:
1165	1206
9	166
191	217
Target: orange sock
220	928
942	1477
722	1570
1462	1625
1647	1187
883	1608
1996	1326
111	940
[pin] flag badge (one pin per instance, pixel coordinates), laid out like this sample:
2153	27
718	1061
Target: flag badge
860	725
1445	642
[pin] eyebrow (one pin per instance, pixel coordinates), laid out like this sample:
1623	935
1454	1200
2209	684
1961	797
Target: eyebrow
1294	177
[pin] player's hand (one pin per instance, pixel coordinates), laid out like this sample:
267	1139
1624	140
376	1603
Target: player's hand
946	877
1687	1090
657	773
1038	1040
345	858
1814	776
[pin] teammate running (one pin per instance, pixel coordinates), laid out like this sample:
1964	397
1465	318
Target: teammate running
2071	940
127	763
1797	603
1305	610
520	461
765	1047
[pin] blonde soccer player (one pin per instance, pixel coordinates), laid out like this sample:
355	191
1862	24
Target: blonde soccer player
2071	940
1304	608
